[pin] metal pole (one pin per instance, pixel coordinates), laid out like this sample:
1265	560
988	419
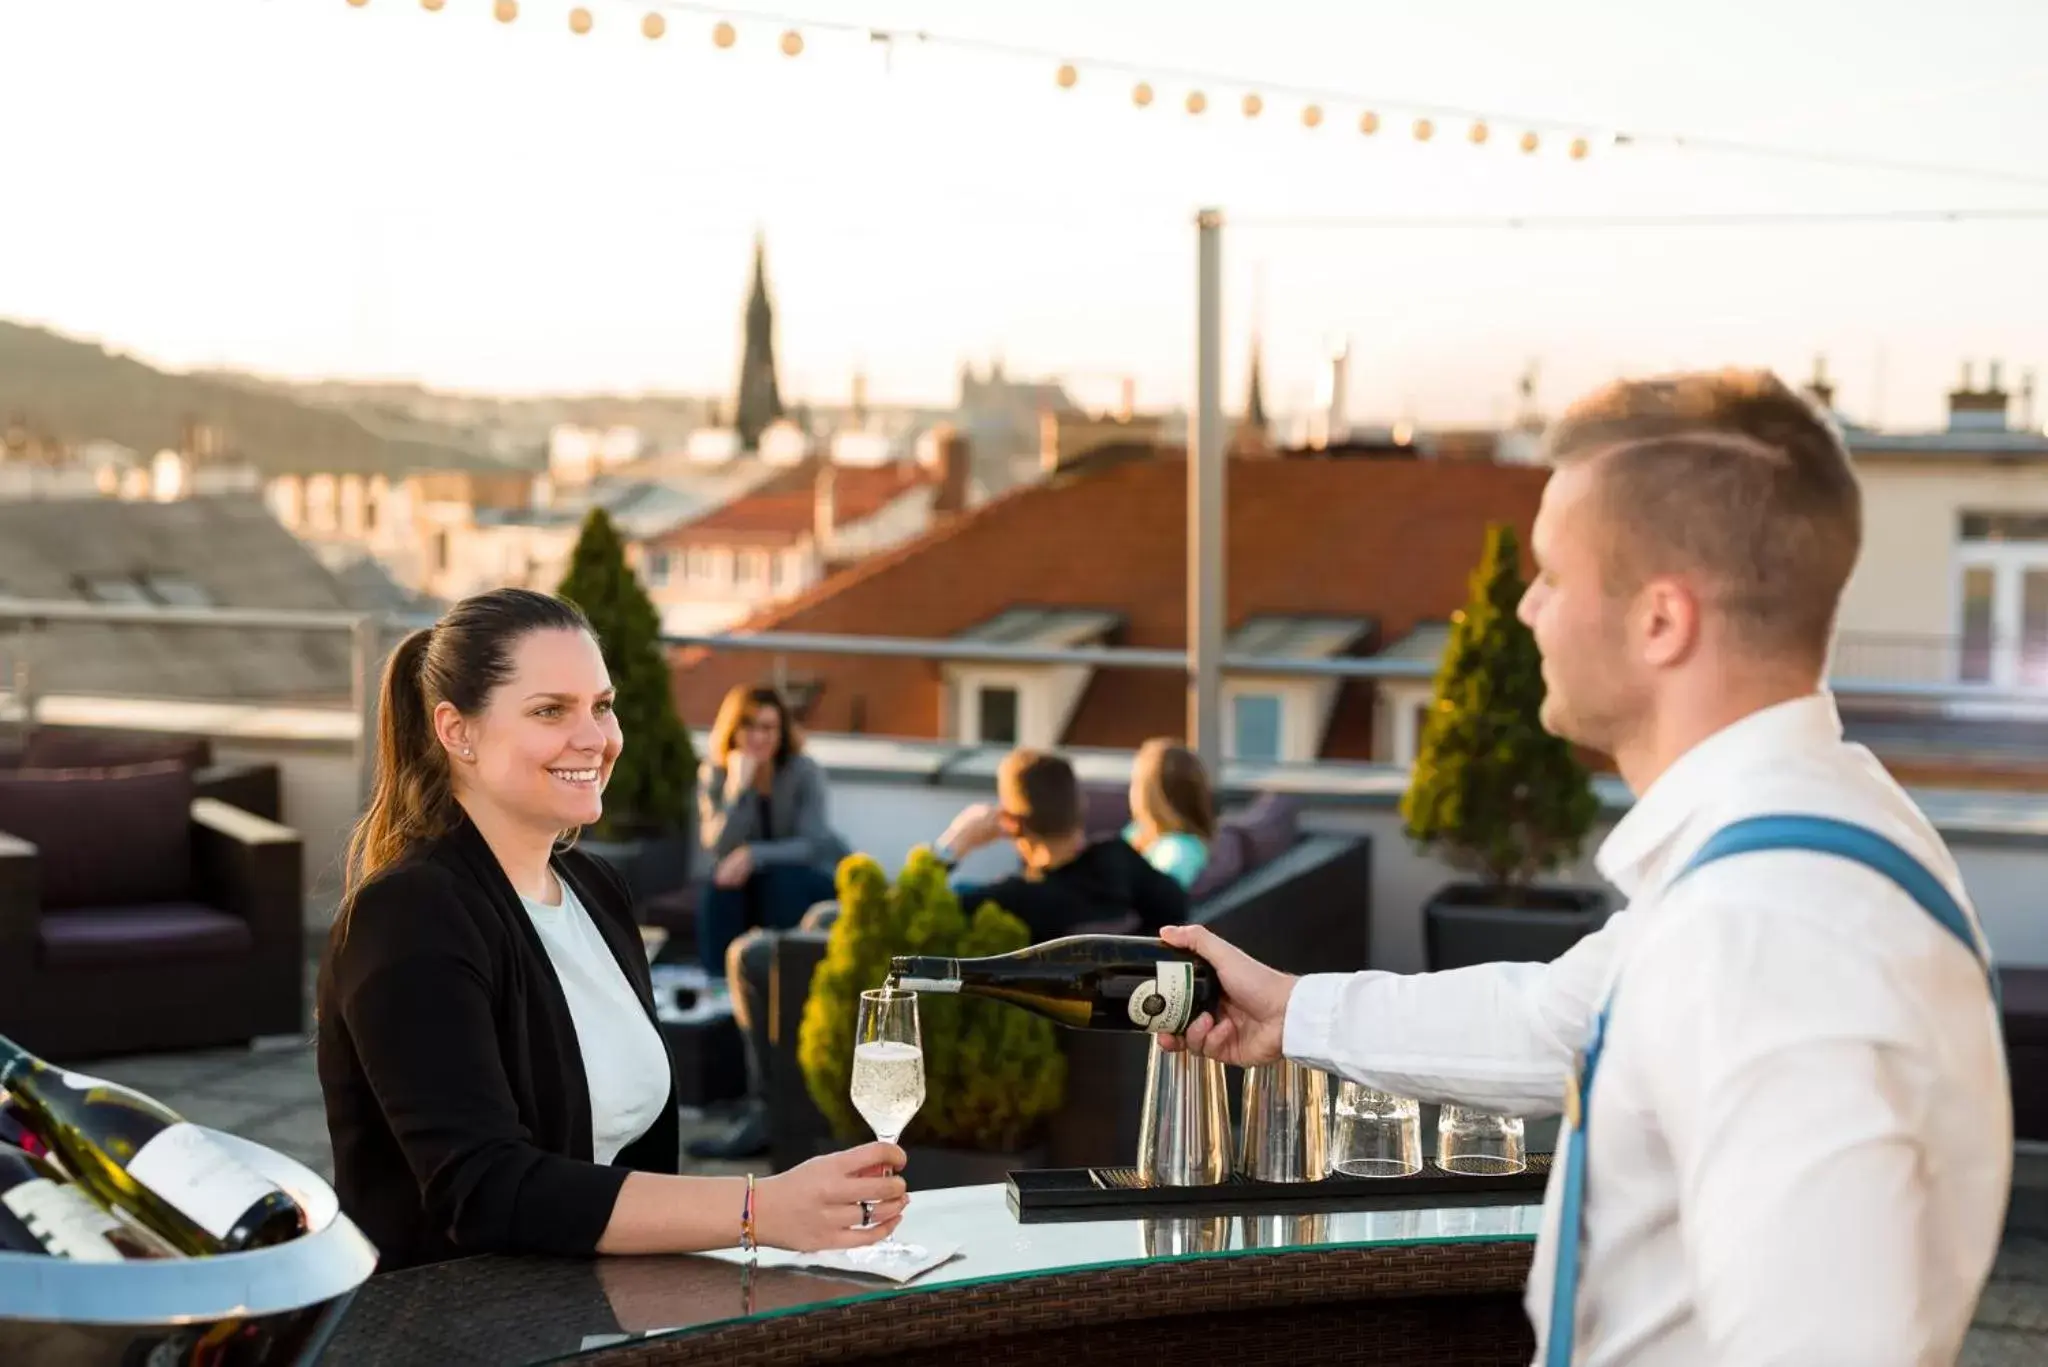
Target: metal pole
365	658
1205	503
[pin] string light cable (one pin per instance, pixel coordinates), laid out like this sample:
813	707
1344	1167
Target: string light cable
1313	104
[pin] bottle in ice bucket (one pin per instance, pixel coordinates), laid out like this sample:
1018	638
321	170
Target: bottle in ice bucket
141	1158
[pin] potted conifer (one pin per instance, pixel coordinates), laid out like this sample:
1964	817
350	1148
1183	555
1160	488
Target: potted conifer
994	1075
1495	795
649	827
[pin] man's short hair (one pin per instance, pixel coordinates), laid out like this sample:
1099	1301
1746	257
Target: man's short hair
1039	791
1730	477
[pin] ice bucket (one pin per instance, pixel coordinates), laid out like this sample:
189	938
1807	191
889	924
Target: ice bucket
270	1306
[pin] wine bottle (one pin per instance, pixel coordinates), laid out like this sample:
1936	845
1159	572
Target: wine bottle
1085	982
42	1213
140	1157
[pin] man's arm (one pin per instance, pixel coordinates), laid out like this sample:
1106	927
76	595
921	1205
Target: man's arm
1497	1036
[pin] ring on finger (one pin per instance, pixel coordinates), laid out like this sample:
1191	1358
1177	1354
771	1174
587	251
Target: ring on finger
867	1214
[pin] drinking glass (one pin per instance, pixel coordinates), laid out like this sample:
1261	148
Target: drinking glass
1478	1144
888	1089
1376	1134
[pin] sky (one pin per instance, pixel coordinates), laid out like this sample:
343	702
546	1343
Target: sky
311	188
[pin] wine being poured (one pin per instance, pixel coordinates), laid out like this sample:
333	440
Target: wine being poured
1084	982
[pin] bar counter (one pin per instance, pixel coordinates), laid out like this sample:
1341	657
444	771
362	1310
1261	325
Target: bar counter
1434	1286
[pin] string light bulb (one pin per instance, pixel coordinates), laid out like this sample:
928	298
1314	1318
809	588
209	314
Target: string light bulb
1141	94
1530	142
505	11
1311	115
653	25
1368	123
579	20
1478	133
724	34
1067	76
792	43
1253	105
1424	130
1197	102
432	6
1579	149
358	4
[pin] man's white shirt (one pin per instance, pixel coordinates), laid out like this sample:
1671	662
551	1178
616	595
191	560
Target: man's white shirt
1800	1137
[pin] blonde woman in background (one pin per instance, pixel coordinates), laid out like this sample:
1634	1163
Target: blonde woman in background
1173	811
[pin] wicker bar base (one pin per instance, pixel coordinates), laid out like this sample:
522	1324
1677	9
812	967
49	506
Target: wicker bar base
1430	1305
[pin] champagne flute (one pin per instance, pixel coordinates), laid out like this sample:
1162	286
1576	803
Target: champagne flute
888	1088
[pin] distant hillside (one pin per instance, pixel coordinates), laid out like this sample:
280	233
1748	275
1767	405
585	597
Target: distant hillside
79	392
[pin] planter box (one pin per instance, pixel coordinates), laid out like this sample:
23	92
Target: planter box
1469	923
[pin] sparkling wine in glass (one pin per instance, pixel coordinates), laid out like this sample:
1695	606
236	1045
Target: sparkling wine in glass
888	1087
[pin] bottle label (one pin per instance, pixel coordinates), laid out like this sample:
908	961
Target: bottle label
1165	1006
67	1222
194	1174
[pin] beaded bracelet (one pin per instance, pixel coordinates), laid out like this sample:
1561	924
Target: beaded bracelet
747	1242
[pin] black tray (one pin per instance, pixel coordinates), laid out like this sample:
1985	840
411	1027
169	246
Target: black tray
1053	1194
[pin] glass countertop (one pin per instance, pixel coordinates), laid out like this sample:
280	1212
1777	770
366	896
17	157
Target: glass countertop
994	1246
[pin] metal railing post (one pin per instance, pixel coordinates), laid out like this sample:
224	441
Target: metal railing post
1205	503
365	661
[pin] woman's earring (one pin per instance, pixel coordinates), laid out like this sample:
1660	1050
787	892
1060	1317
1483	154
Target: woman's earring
467	753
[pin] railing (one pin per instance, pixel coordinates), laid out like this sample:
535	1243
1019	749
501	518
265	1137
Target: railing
1916	671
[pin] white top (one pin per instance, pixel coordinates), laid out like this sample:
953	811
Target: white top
1800	1137
625	1064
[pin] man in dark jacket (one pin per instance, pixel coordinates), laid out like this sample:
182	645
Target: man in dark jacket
1066	883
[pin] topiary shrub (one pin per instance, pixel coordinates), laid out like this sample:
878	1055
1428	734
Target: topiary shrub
993	1073
653	785
1492	792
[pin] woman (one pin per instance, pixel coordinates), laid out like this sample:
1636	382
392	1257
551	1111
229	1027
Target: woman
761	805
494	1078
1173	813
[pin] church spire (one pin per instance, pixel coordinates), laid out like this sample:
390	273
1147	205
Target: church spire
760	397
1255	400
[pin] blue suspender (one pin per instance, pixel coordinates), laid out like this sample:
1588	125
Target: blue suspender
1821	834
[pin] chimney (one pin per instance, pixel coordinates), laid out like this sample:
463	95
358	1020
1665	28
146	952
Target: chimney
2027	401
1128	402
1978	410
824	507
860	398
953	453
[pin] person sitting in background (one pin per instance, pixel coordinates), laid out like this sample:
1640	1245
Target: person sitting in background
762	818
1066	883
1173	812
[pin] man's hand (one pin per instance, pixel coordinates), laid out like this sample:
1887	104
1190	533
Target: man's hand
973	828
1249	1022
735	869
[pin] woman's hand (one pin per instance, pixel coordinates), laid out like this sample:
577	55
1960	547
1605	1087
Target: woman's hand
816	1205
740	772
735	869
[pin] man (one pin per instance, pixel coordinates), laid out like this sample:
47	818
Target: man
1798	1140
1067	884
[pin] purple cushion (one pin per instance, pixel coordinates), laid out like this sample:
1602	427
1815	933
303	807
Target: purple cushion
167	930
1269	826
61	748
1104	811
104	837
1227	860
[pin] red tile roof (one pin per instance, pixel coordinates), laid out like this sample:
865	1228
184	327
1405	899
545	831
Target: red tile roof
1396	541
783	509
